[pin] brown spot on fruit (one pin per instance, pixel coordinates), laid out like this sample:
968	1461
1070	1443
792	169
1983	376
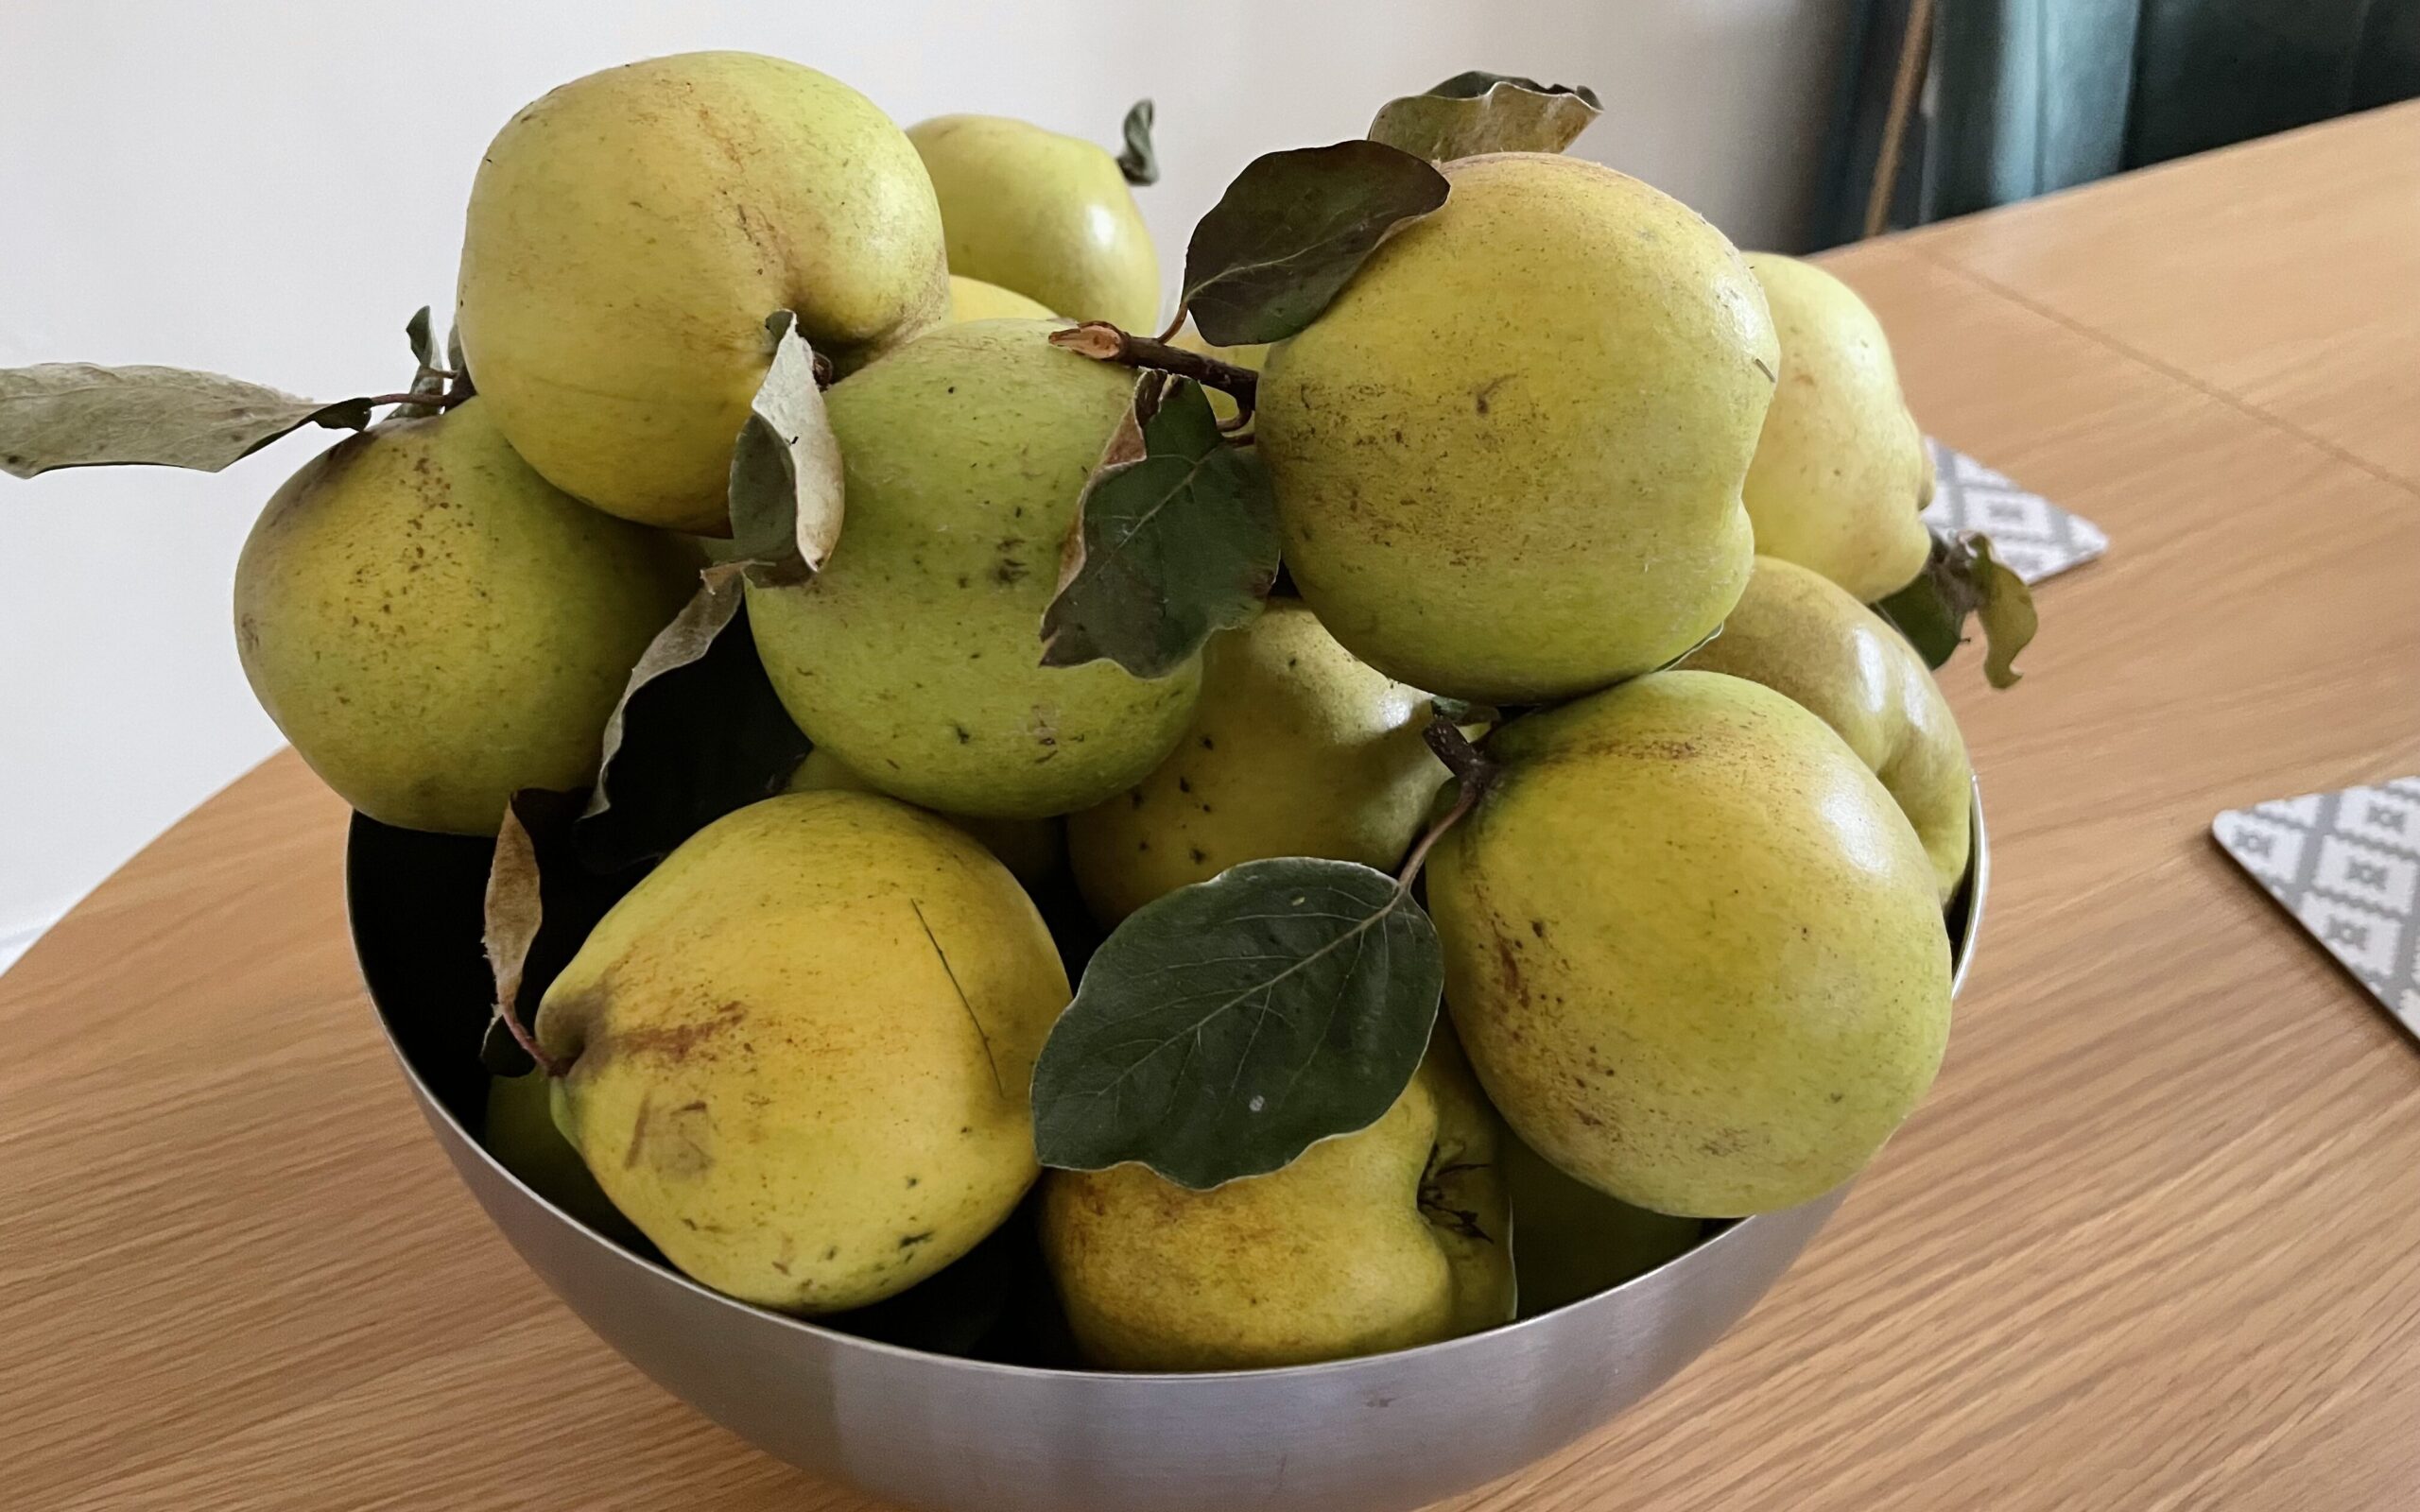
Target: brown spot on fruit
638	1130
671	1042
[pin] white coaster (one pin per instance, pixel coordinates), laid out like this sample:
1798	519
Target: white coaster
2347	865
2028	532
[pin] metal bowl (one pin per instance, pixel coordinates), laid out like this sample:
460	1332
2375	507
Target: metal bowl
954	1435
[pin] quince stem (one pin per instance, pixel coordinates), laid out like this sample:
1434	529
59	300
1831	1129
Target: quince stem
528	1041
1471	768
1104	342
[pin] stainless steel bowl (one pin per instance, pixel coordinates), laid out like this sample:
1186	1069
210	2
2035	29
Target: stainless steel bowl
953	1434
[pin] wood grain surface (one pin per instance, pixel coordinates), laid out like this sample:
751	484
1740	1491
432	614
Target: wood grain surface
2150	1245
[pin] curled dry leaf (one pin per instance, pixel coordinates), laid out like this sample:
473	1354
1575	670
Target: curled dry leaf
460	364
2005	613
1476	112
1175	538
1292	228
1225	1028
428	380
786	482
699	732
74	414
1963	578
527	943
1139	160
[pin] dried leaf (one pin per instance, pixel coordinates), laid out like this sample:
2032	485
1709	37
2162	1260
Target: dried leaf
1476	112
427	381
529	942
1292	231
1228	1026
2005	613
463	388
1169	547
415	331
74	414
698	734
785	474
1962	577
1140	162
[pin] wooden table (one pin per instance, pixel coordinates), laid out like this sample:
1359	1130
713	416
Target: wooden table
2154	1243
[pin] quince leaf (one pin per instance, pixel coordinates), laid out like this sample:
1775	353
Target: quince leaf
1476	112
2005	613
427	382
1292	228
1140	162
463	388
785	473
541	903
74	414
1225	1028
698	734
1176	537
417	331
1961	578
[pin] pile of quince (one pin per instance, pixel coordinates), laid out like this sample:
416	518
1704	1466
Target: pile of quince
815	551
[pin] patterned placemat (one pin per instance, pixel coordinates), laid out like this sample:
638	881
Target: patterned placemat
2028	532
2347	865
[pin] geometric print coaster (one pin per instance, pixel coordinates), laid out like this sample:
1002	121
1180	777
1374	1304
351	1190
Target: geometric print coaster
2033	536
2347	865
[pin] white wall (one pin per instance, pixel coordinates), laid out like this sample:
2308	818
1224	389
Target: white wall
268	189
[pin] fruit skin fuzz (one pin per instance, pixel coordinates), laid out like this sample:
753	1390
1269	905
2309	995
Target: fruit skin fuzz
1508	457
1802	635
1046	215
1394	1236
1841	472
914	656
800	1050
433	626
1296	749
629	235
1693	947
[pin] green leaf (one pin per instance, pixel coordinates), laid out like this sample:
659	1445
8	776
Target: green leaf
1140	162
1961	577
1170	546
1292	231
698	734
1225	1028
72	414
785	475
1474	113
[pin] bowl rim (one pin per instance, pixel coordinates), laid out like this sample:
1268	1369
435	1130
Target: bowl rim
1974	886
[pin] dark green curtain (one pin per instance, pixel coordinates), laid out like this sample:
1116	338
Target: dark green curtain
2023	96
